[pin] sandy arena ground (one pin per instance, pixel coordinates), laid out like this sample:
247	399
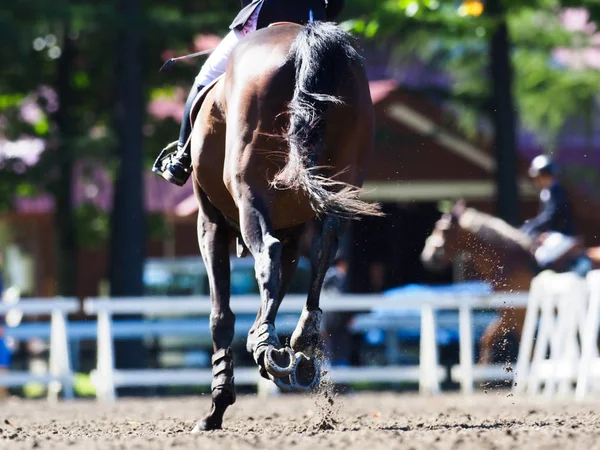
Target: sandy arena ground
362	421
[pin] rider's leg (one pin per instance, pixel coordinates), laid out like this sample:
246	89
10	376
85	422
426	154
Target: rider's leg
178	169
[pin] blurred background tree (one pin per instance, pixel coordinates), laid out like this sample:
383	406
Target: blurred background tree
73	86
496	53
66	65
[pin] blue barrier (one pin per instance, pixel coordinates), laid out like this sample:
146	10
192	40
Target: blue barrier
383	319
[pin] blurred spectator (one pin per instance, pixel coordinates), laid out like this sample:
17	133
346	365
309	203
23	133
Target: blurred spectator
338	341
376	276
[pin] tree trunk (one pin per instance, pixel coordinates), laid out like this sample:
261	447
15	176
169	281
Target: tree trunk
504	119
66	245
128	220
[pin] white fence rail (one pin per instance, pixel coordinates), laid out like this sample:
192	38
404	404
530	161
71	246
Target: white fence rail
428	373
60	376
563	311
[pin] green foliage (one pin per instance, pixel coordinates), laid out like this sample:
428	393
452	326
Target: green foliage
10	100
546	93
34	33
33	42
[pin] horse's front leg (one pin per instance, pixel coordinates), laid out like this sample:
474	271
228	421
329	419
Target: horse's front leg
306	338
275	362
214	238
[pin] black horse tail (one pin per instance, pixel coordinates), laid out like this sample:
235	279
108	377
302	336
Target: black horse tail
322	53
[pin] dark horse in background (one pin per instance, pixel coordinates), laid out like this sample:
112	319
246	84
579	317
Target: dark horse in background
497	253
282	137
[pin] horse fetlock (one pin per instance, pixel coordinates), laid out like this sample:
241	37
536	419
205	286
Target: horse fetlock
224	395
307	335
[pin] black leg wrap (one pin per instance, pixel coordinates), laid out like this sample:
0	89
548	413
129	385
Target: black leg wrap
223	379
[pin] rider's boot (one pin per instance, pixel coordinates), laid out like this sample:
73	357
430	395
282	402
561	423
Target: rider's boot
176	167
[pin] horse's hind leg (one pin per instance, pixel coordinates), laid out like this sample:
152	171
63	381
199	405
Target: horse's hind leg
289	262
267	250
214	237
307	335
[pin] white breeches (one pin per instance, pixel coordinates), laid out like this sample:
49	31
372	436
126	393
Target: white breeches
217	62
554	246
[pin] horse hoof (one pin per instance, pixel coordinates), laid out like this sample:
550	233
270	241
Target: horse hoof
307	375
282	383
206	424
279	363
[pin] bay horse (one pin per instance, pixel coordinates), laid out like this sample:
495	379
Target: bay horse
498	253
282	137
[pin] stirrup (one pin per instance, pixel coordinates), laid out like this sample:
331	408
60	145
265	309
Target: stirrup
171	169
160	165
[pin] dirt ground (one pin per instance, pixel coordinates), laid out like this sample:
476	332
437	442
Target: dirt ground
494	420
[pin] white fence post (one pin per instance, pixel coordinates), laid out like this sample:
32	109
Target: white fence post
266	388
465	329
60	359
105	383
559	299
565	351
59	376
544	336
428	364
589	341
523	366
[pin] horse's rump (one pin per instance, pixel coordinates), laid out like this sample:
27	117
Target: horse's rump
281	99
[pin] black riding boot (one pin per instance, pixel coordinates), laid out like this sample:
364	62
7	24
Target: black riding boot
177	167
